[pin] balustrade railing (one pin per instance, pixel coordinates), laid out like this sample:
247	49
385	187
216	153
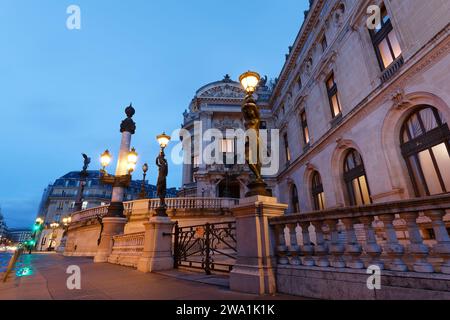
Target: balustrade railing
89	213
129	244
294	234
186	203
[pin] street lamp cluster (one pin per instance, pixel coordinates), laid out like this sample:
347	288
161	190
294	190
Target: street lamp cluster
126	165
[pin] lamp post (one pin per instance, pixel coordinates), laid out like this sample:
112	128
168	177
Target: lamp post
163	170
252	119
66	223
83	176
114	221
53	226
143	194
126	164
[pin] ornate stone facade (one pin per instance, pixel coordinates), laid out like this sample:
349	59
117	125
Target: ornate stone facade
374	100
218	106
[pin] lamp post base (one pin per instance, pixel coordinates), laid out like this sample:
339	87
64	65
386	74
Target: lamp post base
257	188
161	212
115	210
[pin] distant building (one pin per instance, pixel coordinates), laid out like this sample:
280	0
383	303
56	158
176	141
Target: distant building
19	235
59	198
3	228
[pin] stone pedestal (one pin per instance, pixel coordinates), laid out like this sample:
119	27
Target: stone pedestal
254	271
112	226
157	254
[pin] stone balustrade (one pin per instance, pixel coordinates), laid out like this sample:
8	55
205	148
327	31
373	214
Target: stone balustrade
89	214
294	234
190	203
127	249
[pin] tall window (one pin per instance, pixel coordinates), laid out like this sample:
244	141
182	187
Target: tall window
305	127
356	180
287	152
227	146
385	41
333	97
425	144
317	192
294	197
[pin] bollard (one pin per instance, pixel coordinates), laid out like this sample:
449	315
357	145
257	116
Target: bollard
12	263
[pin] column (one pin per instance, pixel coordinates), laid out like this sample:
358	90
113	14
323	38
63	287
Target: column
371	248
307	248
320	250
337	248
294	249
442	247
394	249
353	248
416	247
157	254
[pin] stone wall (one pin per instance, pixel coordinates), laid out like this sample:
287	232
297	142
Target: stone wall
344	284
82	241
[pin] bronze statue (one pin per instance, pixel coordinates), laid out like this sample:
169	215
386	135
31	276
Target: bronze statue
163	171
87	161
252	122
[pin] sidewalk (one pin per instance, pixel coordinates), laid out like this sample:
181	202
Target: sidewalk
112	282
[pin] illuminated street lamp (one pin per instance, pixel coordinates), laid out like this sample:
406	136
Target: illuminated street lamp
53	226
163	140
252	120
132	160
126	164
163	170
143	194
105	159
249	81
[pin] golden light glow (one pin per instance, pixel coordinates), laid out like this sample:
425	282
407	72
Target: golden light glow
249	81
132	160
163	140
54	225
105	159
39	221
67	220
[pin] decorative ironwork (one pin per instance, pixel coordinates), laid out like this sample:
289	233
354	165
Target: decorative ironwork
210	247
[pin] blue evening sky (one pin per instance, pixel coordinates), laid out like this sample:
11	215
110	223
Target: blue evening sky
63	92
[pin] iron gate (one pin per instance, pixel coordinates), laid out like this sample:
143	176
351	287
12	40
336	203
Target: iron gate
210	247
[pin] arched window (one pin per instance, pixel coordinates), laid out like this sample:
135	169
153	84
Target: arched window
294	199
355	179
425	144
317	192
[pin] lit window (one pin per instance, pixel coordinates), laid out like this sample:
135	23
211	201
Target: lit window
426	148
84	205
305	129
332	91
227	146
356	180
385	41
286	148
317	192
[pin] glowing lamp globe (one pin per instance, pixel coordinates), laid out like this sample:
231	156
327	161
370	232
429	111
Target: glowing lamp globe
105	159
132	160
249	81
163	140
